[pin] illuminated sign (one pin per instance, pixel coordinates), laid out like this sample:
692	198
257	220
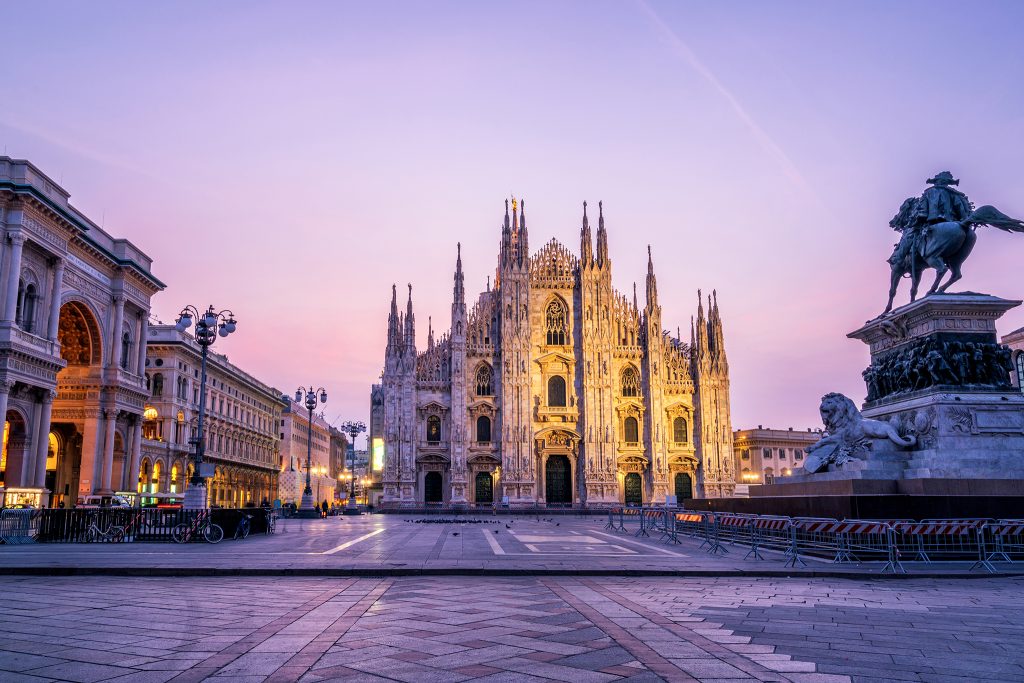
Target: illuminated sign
378	454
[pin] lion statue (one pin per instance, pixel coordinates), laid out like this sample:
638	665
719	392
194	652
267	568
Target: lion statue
848	434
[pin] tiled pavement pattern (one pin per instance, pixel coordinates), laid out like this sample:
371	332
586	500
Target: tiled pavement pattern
509	629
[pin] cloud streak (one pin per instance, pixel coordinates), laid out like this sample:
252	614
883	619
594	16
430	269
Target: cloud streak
683	51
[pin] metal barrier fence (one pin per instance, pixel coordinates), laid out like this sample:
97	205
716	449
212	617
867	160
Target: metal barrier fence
892	543
118	525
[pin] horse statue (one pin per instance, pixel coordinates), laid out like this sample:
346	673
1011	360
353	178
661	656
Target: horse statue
943	246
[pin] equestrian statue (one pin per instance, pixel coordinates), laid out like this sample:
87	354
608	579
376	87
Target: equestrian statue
938	231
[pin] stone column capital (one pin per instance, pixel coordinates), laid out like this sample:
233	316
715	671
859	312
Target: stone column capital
17	237
6	385
119	299
110	413
48	396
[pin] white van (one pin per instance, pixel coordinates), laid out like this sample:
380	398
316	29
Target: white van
96	502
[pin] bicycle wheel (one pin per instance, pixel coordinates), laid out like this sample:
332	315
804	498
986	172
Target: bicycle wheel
92	534
180	533
117	535
213	533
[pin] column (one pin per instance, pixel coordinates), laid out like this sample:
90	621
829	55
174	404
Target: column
107	468
11	302
58	284
26	477
115	346
89	471
136	455
43	438
143	337
5	392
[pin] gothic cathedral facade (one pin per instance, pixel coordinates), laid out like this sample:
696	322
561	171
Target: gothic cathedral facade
554	389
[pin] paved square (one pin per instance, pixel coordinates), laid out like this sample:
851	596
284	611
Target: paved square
422	629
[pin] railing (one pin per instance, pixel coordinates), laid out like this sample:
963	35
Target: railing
120	525
893	544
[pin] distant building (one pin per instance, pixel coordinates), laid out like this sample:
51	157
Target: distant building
1015	340
295	437
240	424
554	388
762	454
339	461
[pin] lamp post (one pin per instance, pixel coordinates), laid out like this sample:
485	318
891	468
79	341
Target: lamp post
208	326
307	508
353	428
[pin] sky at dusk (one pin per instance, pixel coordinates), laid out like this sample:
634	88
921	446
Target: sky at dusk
290	161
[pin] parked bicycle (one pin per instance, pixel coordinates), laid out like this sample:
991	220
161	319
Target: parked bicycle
271	521
200	525
112	534
243	528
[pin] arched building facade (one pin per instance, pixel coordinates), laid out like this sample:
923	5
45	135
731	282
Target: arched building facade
74	307
554	388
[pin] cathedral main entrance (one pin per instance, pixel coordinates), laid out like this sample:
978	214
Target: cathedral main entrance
684	486
558	480
634	489
484	487
432	485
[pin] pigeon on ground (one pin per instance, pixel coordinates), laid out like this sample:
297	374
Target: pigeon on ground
455	533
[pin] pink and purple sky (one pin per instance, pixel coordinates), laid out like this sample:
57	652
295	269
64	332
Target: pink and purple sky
291	160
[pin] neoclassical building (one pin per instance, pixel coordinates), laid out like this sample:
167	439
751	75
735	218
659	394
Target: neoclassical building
241	425
74	306
554	388
296	434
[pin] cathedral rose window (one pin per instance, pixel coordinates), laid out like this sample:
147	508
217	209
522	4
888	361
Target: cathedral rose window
630	382
483	380
556	323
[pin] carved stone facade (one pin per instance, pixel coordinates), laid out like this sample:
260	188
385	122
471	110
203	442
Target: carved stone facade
74	306
554	388
295	441
241	424
1015	342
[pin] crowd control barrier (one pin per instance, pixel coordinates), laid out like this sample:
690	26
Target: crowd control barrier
893	544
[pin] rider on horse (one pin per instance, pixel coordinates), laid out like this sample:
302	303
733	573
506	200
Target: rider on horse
938	204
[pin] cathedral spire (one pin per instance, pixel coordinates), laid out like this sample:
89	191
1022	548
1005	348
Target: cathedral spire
430	332
652	283
460	279
586	243
635	305
410	323
702	328
602	237
393	327
524	236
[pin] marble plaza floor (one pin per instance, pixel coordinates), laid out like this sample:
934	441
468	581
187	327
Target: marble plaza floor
396	545
493	629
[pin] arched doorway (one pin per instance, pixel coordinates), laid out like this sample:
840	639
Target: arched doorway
432	488
558	480
15	449
634	489
684	486
484	488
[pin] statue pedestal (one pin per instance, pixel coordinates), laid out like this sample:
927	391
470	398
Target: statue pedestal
938	374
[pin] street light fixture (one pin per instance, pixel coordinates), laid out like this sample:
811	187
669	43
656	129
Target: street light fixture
208	326
353	428
307	508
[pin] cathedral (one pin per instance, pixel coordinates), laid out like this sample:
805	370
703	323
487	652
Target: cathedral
554	389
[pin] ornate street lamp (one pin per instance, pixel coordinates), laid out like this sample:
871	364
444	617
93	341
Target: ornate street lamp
353	429
307	508
208	326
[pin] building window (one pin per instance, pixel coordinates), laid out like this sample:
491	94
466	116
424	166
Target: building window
798	454
1020	370
630	382
25	312
746	454
782	453
631	430
433	429
483	429
158	384
556	323
556	392
766	453
769	475
483	380
126	349
679	431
